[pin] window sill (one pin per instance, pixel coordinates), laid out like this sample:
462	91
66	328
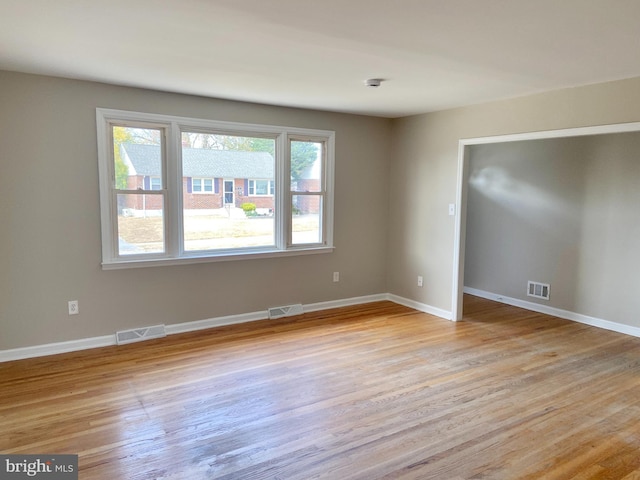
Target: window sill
224	257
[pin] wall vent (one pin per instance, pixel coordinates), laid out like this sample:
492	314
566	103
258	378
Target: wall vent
538	290
139	334
286	311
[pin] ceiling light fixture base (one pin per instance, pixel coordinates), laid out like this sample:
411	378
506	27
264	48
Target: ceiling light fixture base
373	82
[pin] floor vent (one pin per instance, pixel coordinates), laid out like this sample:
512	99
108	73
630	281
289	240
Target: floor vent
538	290
286	311
139	334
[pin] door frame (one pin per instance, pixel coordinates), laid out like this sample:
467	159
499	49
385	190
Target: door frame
232	191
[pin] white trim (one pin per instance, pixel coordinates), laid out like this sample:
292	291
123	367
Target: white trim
203	192
270	187
347	302
109	340
556	312
459	236
325	193
232	181
172	126
214	322
55	348
561	133
201	257
423	307
151	179
461	188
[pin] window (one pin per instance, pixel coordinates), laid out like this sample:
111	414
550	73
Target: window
155	183
308	191
261	187
202	185
265	190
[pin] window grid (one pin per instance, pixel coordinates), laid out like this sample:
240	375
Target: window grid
202	185
168	188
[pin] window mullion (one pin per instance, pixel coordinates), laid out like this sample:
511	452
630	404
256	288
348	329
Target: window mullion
173	183
283	193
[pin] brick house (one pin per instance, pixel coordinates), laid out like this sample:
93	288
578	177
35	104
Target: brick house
212	179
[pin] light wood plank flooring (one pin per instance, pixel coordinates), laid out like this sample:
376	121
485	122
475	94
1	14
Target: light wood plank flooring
368	392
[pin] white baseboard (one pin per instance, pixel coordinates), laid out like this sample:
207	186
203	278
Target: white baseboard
557	312
55	348
347	302
108	340
214	322
423	307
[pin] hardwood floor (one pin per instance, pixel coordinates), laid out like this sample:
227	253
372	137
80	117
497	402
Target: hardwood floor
368	392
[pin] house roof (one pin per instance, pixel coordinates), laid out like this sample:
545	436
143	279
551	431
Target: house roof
199	162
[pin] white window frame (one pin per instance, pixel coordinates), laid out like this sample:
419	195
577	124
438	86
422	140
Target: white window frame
172	128
151	179
270	187
203	191
324	192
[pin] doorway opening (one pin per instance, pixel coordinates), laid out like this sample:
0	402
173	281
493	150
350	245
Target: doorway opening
464	155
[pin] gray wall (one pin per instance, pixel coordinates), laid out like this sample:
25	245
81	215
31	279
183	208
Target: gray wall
424	170
50	226
524	215
563	212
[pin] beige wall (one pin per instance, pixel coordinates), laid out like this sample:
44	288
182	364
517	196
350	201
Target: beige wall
563	212
609	273
424	169
50	248
394	180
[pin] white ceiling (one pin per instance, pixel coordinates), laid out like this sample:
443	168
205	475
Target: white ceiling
433	54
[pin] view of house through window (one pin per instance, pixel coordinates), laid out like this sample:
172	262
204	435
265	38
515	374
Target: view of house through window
140	198
221	208
307	191
175	188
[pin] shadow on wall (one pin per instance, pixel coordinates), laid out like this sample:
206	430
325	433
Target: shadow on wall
529	202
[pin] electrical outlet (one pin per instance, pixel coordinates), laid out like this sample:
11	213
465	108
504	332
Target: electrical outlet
336	276
74	308
420	281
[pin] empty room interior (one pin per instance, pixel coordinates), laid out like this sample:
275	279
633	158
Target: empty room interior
336	240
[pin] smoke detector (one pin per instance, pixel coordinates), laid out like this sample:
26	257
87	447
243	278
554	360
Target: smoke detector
373	82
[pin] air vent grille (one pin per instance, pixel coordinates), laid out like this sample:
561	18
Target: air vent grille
140	334
286	311
538	290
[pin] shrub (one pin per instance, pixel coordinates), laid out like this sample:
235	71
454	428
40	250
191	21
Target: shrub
249	208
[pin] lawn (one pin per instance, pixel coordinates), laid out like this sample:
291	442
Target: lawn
208	231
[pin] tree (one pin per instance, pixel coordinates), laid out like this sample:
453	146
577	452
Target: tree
145	136
303	155
120	135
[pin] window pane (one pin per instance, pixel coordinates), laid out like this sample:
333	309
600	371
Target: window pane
140	224
306	166
262	187
306	222
138	158
156	183
223	219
